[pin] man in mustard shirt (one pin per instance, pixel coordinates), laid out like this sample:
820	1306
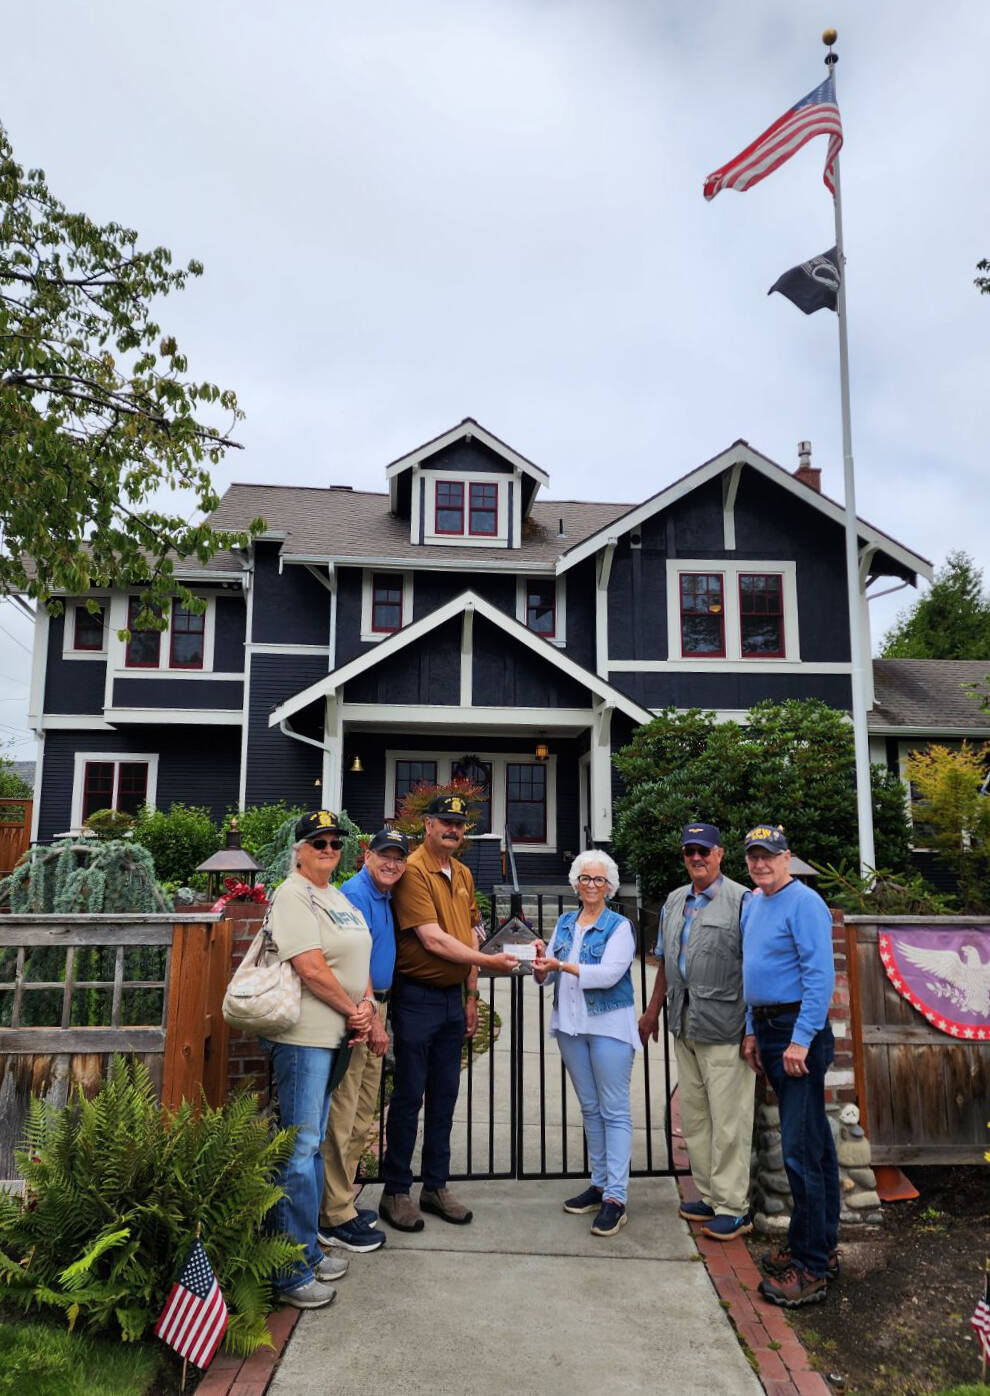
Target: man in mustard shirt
434	1007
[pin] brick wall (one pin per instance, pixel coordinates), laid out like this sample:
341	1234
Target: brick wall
248	1065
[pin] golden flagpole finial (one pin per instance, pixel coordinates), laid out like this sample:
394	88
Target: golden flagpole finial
829	37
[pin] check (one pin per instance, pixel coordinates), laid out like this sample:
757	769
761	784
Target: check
521	951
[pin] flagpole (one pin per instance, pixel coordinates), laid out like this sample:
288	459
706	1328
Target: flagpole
864	796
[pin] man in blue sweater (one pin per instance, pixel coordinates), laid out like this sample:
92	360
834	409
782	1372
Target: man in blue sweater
788	977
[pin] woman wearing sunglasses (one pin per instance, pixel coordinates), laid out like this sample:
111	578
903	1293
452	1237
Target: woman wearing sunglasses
329	945
594	1021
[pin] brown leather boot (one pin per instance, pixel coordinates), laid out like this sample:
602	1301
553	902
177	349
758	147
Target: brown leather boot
444	1204
400	1211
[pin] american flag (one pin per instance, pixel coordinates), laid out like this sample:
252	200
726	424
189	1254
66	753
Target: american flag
195	1317
981	1318
815	115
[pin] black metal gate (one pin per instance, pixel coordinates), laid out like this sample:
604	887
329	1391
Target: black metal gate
517	1115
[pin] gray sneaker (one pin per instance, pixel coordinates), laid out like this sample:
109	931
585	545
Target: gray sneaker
331	1267
315	1295
443	1203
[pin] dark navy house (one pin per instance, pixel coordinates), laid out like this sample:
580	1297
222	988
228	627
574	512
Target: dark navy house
457	624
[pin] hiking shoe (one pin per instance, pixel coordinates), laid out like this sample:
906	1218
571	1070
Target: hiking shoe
331	1267
696	1211
780	1259
443	1203
588	1201
794	1288
400	1211
314	1295
610	1219
723	1228
353	1235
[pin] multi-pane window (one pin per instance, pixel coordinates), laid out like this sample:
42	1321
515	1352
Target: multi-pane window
144	646
410	774
450	506
526	802
188	637
483	510
761	615
119	785
88	630
386	602
702	614
477	773
541	607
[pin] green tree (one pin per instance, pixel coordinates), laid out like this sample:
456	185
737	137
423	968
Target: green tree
12	787
983	282
952	621
95	412
952	807
791	762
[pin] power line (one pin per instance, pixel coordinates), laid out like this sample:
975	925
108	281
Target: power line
15	639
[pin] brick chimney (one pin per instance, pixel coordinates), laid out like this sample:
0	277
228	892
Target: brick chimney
807	473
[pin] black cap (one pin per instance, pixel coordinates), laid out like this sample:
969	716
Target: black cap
448	807
317	822
704	835
389	838
768	836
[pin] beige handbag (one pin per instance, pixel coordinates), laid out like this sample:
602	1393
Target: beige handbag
264	995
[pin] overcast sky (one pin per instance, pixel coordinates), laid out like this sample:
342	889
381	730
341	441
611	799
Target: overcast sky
415	212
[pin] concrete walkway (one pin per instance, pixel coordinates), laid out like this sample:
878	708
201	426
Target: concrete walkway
524	1299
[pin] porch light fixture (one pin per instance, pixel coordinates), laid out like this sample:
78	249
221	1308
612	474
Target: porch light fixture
542	751
355	767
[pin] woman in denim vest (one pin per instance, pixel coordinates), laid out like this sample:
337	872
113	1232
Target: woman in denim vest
594	1021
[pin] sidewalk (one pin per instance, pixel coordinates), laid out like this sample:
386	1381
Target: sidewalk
524	1298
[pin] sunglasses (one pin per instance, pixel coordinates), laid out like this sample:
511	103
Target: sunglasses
695	850
321	844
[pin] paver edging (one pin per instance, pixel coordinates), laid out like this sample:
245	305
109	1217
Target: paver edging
250	1376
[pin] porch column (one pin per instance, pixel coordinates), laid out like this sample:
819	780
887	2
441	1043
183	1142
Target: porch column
333	754
601	773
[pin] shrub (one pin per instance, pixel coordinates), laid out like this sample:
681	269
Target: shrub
110	823
259	824
178	839
276	857
957	816
116	1187
883	893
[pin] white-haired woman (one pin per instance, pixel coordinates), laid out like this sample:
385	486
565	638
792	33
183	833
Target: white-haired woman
589	959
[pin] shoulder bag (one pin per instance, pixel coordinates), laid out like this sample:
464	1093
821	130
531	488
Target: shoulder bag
264	995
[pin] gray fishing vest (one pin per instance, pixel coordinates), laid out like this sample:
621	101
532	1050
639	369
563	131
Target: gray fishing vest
713	962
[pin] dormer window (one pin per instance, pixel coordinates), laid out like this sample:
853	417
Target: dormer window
483	511
450	507
465	510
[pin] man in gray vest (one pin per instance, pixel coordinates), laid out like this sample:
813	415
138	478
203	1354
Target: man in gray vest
700	953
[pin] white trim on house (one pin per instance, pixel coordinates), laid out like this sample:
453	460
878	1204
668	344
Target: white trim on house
259	647
69	630
559	636
73	722
425	561
39	768
182	717
725	666
368	574
117	666
740	452
465	431
731	569
82	758
249	647
426	715
501	538
730	488
603	571
422	627
39	669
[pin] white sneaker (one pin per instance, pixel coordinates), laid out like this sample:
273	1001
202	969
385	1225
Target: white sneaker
312	1296
331	1267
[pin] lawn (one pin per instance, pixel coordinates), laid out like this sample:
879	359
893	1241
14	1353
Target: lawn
45	1359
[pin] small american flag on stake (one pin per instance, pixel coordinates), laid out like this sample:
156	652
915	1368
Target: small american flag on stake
195	1317
981	1319
815	115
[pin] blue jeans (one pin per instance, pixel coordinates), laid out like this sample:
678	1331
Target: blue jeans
806	1140
302	1078
428	1030
600	1069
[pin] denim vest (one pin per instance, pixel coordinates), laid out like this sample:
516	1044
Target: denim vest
618	995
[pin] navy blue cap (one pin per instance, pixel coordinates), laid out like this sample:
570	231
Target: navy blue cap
317	822
768	836
389	838
448	807
704	835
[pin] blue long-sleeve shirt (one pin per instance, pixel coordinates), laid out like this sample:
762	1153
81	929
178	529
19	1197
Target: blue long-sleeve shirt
375	907
787	956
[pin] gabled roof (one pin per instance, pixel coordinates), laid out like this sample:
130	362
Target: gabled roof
742	453
419	629
467	430
929	696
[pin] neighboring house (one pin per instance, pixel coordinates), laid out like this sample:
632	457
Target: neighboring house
456	624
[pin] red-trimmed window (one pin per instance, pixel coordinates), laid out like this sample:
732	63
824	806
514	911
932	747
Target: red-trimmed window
188	638
88	629
541	608
144	646
386	603
761	615
526	802
119	785
483	510
702	615
449	506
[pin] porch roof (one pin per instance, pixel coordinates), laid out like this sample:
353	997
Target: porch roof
468	601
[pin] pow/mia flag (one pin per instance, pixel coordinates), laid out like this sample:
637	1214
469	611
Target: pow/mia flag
813	285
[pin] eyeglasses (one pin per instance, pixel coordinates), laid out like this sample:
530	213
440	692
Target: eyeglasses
693	850
321	844
760	855
587	881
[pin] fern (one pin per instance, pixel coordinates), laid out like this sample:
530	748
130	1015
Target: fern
115	1189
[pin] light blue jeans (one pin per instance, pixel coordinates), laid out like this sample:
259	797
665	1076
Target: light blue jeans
600	1069
302	1079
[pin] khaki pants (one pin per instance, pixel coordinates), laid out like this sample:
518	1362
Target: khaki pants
352	1108
717	1095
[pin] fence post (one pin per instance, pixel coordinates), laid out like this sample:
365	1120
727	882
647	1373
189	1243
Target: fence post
215	1064
182	1068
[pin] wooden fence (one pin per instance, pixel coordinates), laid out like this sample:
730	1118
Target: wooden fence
75	989
924	1096
15	832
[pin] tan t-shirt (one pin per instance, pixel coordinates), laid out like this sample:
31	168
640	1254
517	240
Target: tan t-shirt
423	894
305	917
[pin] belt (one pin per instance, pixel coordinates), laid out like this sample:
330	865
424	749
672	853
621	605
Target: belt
774	1010
381	995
